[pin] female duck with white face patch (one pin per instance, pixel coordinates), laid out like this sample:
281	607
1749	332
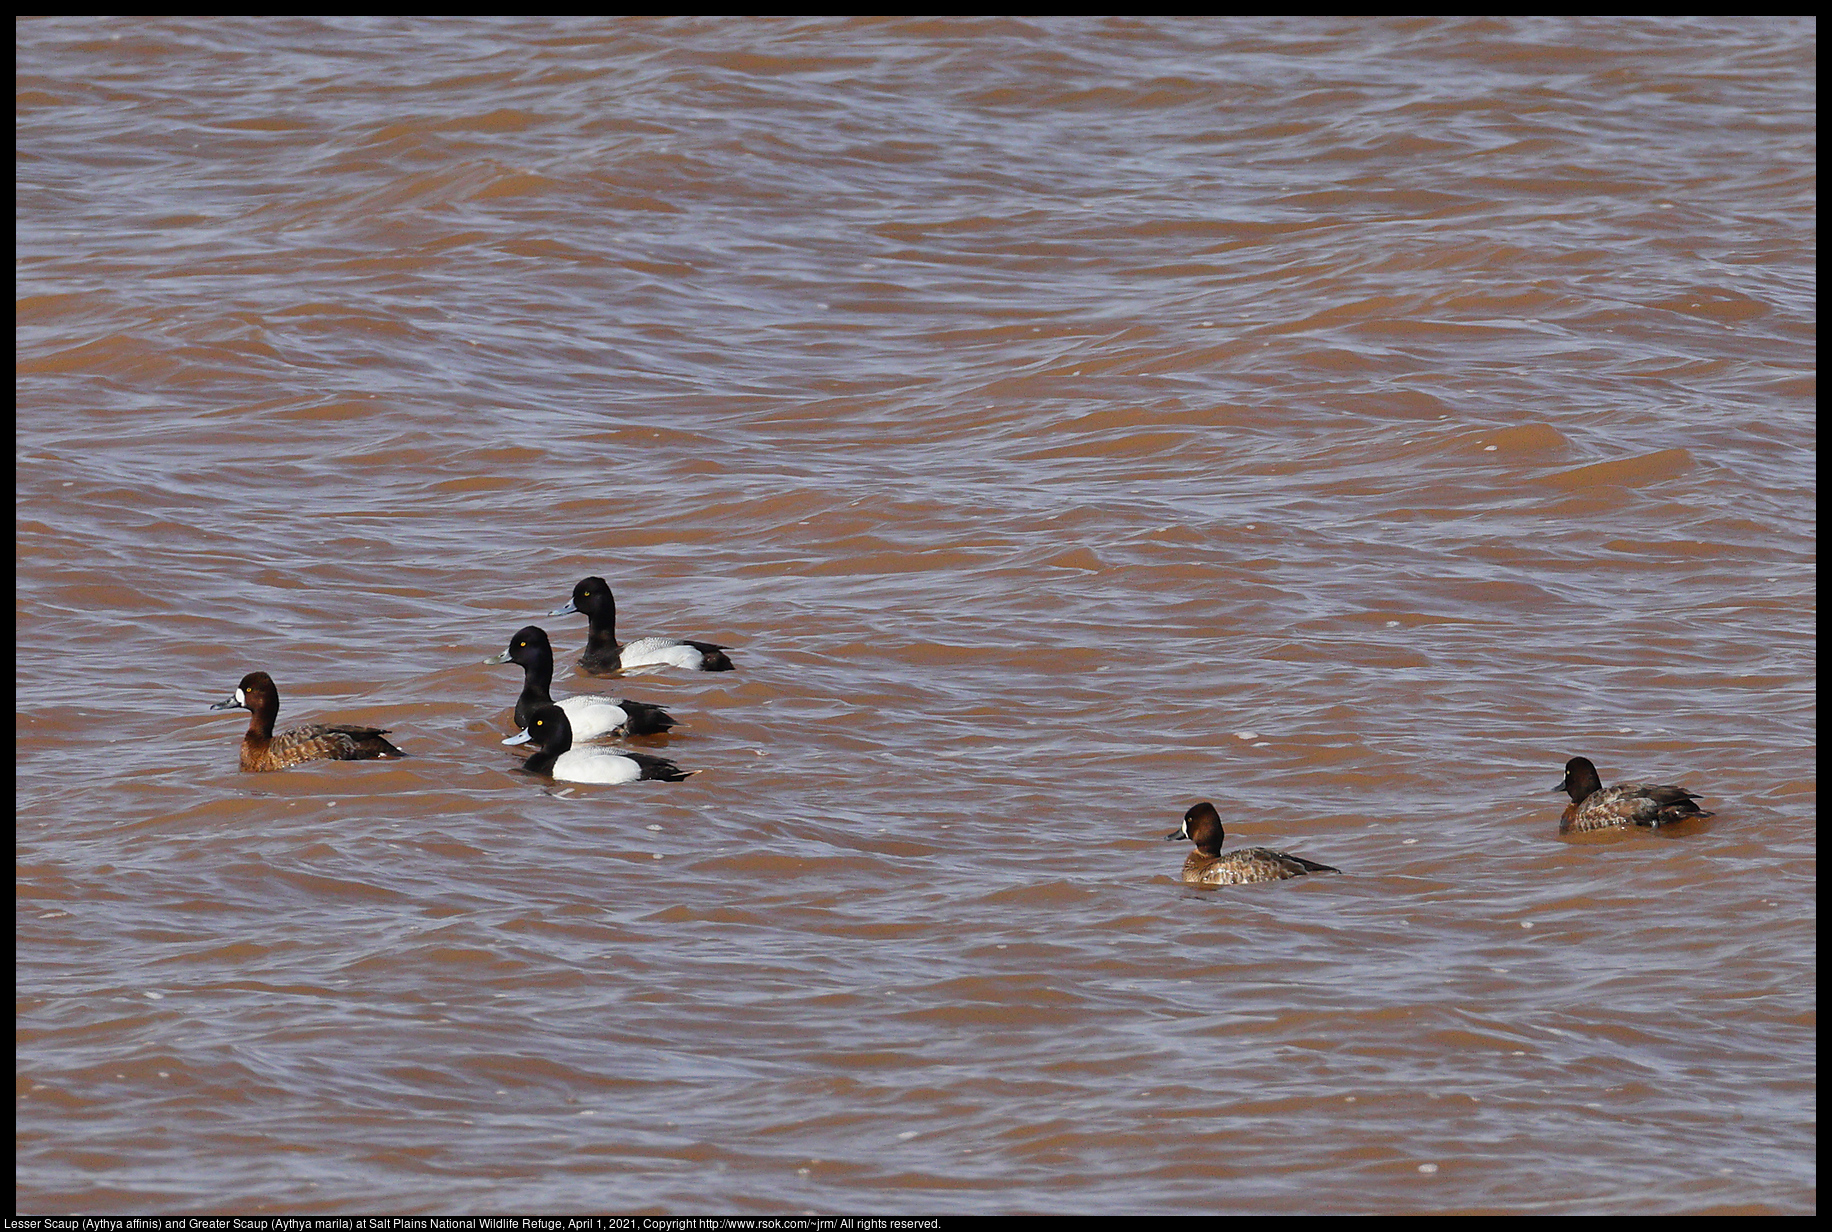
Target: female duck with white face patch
603	656
1207	866
262	750
548	728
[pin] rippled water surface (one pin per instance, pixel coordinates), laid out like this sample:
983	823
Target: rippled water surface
1064	421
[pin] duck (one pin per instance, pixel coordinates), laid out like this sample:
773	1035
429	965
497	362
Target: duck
549	728
603	656
591	715
1594	807
1207	866
262	750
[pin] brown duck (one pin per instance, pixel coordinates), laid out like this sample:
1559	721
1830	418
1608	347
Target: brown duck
1207	866
262	750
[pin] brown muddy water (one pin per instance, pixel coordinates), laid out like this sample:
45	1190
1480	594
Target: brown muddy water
1064	421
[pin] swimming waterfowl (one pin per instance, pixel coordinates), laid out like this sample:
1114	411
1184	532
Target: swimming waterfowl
603	656
262	750
1207	866
590	714
1594	807
549	728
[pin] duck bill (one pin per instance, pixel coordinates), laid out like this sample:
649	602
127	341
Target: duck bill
520	737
